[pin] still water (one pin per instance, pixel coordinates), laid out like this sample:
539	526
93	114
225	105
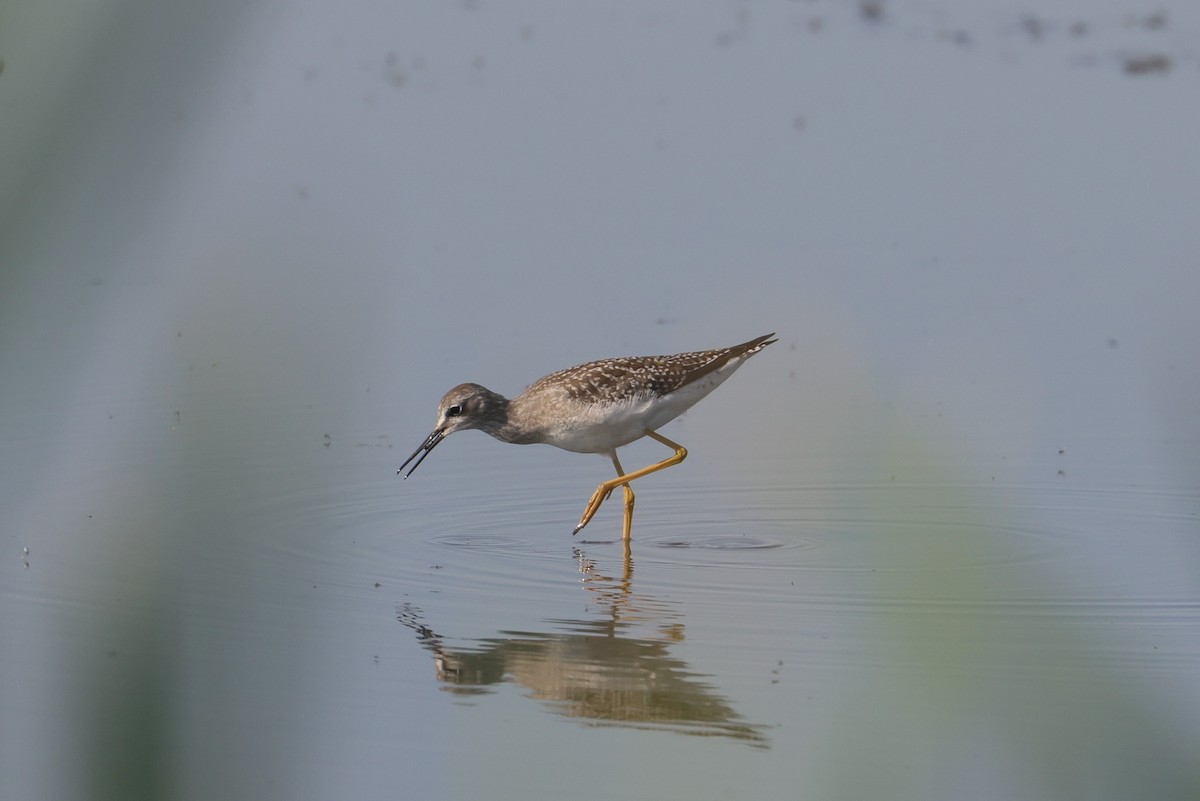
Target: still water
940	542
292	611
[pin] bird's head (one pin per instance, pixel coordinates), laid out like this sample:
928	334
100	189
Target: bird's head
464	407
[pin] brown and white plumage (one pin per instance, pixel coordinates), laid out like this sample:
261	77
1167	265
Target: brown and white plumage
595	407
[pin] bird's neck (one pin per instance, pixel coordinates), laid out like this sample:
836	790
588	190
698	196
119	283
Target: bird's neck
508	423
498	422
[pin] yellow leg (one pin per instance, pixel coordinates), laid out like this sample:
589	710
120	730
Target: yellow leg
628	499
607	487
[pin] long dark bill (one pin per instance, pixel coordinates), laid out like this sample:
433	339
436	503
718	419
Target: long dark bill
430	442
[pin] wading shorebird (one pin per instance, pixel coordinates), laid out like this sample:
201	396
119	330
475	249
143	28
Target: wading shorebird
594	408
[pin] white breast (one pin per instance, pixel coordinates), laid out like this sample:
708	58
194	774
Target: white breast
603	428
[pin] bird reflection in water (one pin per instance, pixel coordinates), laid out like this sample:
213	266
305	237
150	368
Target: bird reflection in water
596	670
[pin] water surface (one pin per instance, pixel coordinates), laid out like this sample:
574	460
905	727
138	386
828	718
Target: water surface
939	542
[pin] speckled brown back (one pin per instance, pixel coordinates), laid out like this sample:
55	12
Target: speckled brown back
611	380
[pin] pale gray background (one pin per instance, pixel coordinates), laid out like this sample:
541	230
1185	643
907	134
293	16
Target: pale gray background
244	248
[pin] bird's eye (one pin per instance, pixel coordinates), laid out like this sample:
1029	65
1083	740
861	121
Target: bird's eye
454	411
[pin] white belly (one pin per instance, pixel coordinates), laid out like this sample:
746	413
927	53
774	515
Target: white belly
602	429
